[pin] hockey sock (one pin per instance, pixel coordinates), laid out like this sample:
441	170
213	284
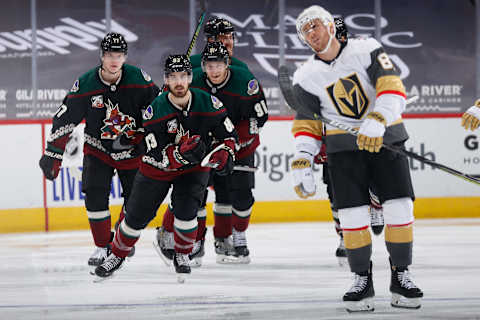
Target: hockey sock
184	235
223	220
100	224
202	221
358	243
241	219
399	242
125	239
168	218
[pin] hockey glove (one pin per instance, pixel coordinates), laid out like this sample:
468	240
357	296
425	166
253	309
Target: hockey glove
321	157
303	179
190	152
370	134
50	163
471	118
221	158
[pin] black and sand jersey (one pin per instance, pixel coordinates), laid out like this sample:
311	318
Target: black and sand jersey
346	90
165	126
245	101
112	114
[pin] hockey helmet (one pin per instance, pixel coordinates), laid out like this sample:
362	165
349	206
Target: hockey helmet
114	42
308	15
215	51
216	26
177	63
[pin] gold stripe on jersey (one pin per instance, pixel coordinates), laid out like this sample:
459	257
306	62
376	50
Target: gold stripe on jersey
338	131
390	83
357	239
401	234
314	127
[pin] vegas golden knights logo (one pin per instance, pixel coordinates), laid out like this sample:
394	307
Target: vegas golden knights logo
348	97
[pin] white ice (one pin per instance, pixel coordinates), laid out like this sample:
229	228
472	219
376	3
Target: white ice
293	275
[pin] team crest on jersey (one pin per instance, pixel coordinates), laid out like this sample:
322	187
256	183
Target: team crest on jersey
182	135
148	113
76	86
97	102
253	87
348	97
145	75
217	104
117	123
172	126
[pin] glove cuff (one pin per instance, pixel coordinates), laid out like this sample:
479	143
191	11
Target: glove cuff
477	103
301	163
377	116
54	152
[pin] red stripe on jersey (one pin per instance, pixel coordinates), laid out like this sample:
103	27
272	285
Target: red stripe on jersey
399	93
209	114
85	94
308	134
355	229
127	164
133	85
171	115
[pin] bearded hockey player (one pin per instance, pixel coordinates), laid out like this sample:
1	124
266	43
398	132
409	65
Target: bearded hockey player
357	84
246	106
180	125
110	98
219	29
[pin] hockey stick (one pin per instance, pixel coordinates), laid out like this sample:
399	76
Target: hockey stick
287	91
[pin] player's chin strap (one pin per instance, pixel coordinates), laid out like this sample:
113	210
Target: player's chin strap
205	162
329	43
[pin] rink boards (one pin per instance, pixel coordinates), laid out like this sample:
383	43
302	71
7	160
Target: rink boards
24	196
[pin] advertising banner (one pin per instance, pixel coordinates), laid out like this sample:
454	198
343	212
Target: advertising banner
431	42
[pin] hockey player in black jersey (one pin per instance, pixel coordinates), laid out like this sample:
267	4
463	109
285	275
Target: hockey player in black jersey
180	126
219	29
357	84
110	98
245	102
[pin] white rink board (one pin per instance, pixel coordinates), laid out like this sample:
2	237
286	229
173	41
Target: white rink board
21	183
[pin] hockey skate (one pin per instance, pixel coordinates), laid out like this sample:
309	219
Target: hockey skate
240	246
181	262
405	294
376	219
341	253
360	296
108	267
99	256
198	252
225	251
164	245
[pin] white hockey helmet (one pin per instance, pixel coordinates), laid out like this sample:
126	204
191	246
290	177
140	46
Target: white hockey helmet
308	15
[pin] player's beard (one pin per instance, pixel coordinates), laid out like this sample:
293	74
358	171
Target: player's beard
179	91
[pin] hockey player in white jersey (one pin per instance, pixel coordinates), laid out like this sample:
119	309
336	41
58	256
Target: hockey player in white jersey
357	84
471	117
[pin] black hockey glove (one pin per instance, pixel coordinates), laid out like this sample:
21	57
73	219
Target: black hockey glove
50	164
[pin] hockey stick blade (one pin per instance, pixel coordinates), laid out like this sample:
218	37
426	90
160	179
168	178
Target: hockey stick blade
290	98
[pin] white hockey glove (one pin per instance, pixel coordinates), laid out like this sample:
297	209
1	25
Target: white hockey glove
471	118
303	179
370	134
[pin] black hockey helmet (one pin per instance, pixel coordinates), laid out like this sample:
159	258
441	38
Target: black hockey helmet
342	31
114	42
216	26
215	51
177	63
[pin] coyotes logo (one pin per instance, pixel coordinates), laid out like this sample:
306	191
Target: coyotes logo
348	97
117	123
180	134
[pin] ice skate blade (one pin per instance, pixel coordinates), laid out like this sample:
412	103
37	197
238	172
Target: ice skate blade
365	305
399	301
223	259
196	263
342	261
165	260
182	277
98	279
